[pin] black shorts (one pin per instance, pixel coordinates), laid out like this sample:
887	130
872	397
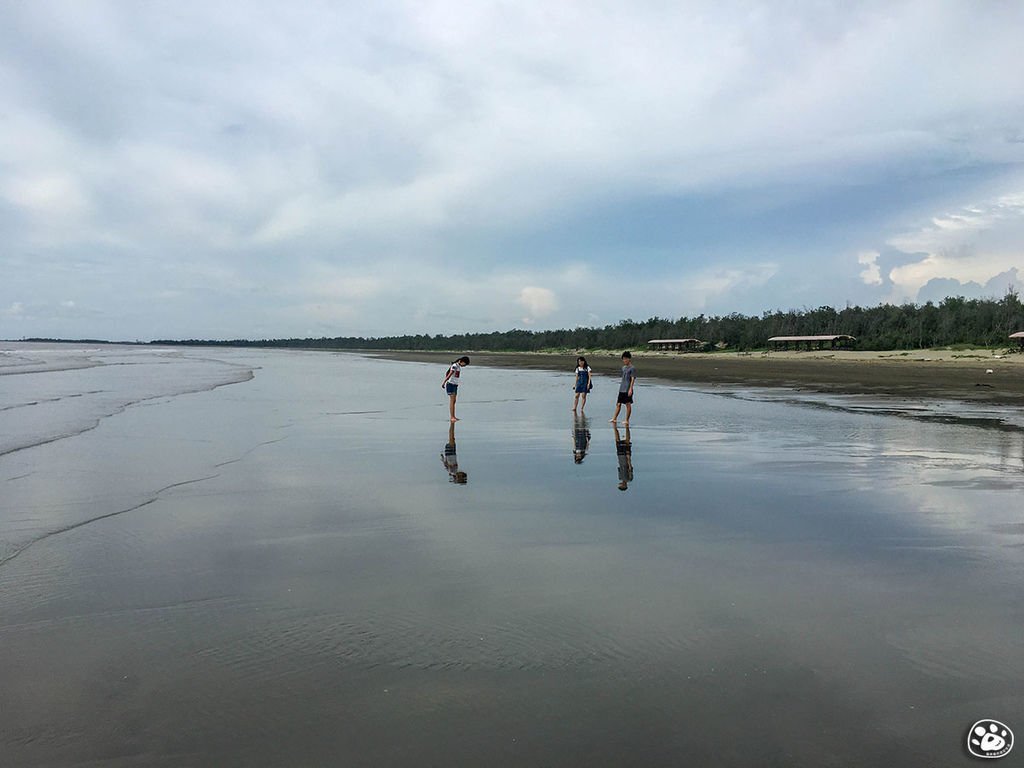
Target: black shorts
625	397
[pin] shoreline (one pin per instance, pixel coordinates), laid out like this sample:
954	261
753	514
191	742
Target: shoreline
925	374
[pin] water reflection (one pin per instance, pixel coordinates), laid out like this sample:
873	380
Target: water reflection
624	452
580	437
450	459
891	544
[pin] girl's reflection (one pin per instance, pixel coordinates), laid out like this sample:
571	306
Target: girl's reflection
624	451
580	437
451	460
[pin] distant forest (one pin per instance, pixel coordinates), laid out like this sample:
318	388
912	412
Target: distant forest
954	321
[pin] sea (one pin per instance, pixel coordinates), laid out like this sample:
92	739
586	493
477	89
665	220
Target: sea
244	557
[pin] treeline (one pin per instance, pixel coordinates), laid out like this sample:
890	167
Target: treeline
954	321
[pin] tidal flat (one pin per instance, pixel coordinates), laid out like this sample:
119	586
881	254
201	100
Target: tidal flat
260	558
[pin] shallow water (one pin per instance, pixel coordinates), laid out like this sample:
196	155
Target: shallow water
283	572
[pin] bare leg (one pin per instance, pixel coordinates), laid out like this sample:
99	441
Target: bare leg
629	410
575	401
583	402
615	418
451	407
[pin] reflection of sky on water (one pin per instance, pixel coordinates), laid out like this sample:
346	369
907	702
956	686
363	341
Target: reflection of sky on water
774	562
924	504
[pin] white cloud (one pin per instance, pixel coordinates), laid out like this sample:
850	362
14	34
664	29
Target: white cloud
970	244
955	229
538	302
53	195
871	274
716	281
382	210
340	283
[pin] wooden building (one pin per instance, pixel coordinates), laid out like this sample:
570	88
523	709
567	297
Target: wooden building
1019	337
677	345
834	341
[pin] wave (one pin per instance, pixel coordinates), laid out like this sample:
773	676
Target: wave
17	550
47	398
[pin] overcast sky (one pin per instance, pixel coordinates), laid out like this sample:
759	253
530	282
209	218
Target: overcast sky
265	169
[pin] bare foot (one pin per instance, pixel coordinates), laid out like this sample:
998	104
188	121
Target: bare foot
454	419
625	423
612	421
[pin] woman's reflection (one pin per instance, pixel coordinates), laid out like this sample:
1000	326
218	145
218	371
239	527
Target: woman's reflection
624	451
451	460
580	437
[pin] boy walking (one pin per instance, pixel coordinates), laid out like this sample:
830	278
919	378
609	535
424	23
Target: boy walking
625	388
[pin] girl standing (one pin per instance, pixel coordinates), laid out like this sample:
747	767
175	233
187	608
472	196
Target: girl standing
451	384
583	383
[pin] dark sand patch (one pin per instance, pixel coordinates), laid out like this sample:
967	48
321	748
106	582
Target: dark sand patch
955	379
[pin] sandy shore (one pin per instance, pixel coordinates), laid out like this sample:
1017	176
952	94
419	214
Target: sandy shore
958	375
281	572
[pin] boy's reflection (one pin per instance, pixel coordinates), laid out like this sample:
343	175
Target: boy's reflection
451	460
624	451
580	437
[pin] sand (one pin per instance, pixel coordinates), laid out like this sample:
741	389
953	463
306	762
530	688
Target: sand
280	572
944	374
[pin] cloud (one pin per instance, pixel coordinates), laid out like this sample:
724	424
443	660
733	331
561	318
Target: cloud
939	288
54	195
707	285
327	281
871	274
538	302
419	166
970	245
955	229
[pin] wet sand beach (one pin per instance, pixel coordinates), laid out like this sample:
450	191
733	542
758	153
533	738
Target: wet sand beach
920	374
221	557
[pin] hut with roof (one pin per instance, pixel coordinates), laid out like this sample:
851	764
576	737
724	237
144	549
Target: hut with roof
677	345
832	341
1019	338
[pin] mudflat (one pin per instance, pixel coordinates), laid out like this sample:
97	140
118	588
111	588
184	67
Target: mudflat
973	376
267	558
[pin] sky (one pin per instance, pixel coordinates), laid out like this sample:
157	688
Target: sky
254	169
